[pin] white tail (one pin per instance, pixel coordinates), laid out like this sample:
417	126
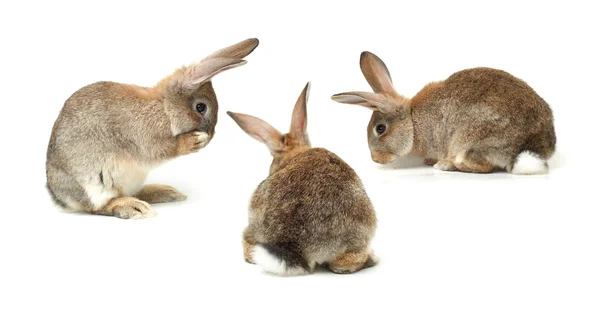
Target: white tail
275	264
529	163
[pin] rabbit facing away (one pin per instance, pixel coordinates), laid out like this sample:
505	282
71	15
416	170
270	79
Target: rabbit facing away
108	136
476	120
311	210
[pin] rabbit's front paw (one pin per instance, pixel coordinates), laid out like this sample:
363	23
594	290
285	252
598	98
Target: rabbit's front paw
191	142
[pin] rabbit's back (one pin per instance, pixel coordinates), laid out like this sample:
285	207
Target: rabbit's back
111	106
469	91
485	107
106	117
315	201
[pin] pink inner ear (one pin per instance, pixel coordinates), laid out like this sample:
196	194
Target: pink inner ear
299	119
259	130
266	134
372	101
368	105
205	70
354	99
376	73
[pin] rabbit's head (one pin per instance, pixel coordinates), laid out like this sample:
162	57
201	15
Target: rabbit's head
188	95
282	146
390	131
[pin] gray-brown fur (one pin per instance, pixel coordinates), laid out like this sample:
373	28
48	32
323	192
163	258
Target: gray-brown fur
109	135
312	205
476	120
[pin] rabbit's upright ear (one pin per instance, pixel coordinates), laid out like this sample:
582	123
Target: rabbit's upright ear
259	130
385	99
376	102
376	73
227	58
299	119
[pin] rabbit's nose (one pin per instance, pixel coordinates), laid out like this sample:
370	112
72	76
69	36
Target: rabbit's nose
382	157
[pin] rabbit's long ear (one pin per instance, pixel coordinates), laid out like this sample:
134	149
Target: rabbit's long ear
201	72
227	58
376	73
299	120
259	130
237	51
376	102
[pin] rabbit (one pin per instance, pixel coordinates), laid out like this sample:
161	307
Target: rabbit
476	120
108	136
311	210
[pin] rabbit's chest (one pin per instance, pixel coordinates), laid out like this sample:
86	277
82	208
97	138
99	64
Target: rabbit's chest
129	176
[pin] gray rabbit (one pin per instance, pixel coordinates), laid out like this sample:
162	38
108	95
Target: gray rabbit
108	136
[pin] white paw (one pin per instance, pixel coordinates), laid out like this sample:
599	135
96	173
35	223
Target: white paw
202	138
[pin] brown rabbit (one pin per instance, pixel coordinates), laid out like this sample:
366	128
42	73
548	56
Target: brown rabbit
475	121
312	208
108	136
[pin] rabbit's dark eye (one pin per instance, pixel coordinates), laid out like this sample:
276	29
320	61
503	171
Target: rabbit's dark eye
380	129
201	107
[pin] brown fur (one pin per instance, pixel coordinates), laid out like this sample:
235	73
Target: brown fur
430	161
486	116
312	204
127	207
349	262
108	135
248	247
158	193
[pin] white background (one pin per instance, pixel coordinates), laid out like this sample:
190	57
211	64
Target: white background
448	242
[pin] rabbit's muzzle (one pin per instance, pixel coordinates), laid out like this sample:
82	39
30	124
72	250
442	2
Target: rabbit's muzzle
382	157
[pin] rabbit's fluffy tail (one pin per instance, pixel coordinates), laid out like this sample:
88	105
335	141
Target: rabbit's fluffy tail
529	163
280	260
